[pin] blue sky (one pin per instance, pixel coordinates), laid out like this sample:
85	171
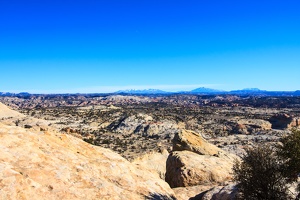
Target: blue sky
103	46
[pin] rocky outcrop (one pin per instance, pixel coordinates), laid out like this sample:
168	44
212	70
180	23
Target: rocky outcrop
229	192
184	193
145	126
249	126
14	118
185	168
50	165
155	162
284	121
194	161
6	112
191	141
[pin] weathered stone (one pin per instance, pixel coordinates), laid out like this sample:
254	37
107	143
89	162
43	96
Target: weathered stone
51	165
6	112
155	162
184	193
191	141
185	168
145	126
284	121
229	192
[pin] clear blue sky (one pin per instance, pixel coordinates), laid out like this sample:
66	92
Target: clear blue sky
100	46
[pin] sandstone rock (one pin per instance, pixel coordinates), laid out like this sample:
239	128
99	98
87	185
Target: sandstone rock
49	165
191	141
185	168
6	112
229	192
155	162
284	121
249	126
144	125
184	193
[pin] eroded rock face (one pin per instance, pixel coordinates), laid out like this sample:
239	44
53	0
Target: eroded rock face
284	121
49	165
145	126
185	168
249	126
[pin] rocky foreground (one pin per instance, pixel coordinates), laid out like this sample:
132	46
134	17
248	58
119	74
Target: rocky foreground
47	164
51	165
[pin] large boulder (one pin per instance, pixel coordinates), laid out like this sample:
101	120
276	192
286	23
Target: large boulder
185	168
191	141
51	165
155	162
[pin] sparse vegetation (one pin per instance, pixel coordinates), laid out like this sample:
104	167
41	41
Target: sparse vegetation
103	120
265	171
259	175
290	152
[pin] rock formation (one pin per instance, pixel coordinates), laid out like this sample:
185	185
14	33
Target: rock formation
145	126
228	192
185	168
249	126
284	121
191	141
51	165
194	161
6	112
184	193
155	162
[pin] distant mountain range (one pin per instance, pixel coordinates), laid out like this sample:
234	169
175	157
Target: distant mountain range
205	90
8	94
201	90
148	91
209	91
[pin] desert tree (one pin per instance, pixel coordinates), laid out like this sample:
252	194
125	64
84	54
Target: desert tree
289	151
259	175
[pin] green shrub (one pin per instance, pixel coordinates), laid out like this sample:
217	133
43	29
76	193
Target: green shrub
259	175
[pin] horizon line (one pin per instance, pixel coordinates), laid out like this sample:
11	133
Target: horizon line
127	91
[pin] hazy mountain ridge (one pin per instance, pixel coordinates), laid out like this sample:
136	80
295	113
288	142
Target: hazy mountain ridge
200	90
146	91
206	90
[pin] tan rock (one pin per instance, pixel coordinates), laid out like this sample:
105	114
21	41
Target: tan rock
6	112
228	192
248	126
155	162
184	193
191	141
284	121
49	165
185	168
